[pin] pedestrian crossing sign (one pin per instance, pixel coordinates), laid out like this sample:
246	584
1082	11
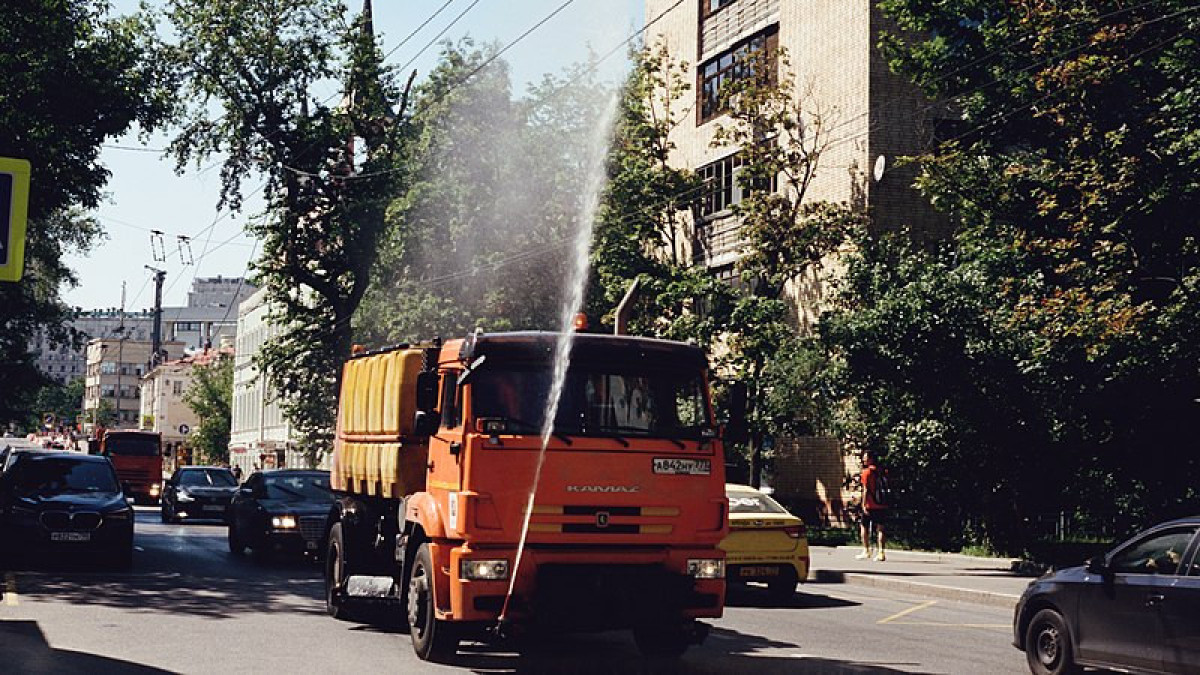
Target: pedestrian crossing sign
14	204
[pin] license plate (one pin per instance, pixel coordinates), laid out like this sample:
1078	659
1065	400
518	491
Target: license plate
760	572
70	536
214	507
310	545
686	467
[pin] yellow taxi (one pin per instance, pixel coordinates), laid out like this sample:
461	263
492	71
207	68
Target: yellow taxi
765	543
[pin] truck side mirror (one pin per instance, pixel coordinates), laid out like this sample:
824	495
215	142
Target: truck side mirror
427	384
425	423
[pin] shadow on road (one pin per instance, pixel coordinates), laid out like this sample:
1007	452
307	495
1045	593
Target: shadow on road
25	650
750	596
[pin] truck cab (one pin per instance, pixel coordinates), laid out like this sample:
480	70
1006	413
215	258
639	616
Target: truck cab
622	530
137	457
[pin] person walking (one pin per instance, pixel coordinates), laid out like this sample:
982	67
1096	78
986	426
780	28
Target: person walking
874	510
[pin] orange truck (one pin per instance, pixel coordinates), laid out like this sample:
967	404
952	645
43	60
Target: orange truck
137	457
434	460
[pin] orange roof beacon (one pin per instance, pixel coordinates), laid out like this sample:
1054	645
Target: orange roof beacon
434	465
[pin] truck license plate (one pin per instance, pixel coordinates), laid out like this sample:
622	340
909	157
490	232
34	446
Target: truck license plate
687	467
70	536
760	571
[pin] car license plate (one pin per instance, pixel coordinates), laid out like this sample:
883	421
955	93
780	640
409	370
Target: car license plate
760	571
213	507
70	536
310	545
687	467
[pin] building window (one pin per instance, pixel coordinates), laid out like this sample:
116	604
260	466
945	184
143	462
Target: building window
177	387
108	367
710	7
722	185
730	65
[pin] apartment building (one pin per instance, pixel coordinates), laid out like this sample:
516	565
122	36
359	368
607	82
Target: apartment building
113	373
870	118
162	406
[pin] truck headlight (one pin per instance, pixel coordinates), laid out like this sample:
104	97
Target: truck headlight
283	522
706	568
483	570
154	489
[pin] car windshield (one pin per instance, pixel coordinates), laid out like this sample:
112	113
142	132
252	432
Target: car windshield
596	401
746	501
302	487
54	475
207	478
131	446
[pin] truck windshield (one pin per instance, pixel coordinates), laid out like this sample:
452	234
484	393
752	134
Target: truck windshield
596	401
131	446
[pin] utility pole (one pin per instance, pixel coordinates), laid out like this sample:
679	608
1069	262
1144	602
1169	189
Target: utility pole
156	330
120	353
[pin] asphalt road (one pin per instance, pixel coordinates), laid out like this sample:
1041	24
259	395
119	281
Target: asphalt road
189	606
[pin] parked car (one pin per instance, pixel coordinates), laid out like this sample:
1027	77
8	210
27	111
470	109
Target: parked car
766	543
65	503
283	510
198	493
1137	608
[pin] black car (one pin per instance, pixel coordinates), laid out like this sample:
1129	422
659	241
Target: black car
284	509
1136	609
198	493
65	503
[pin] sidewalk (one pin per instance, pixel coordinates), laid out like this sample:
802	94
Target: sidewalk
948	576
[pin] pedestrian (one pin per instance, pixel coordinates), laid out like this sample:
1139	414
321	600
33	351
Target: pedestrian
237	473
874	509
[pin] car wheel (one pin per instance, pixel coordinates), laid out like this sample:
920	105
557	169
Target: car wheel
661	641
168	516
782	588
1048	647
236	545
433	639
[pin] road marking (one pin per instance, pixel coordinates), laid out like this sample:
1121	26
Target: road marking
955	625
10	590
906	612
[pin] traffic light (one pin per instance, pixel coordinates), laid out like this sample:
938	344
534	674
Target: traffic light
14	203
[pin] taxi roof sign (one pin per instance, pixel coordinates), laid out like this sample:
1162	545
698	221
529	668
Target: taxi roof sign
14	205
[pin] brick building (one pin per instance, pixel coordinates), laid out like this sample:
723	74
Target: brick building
871	118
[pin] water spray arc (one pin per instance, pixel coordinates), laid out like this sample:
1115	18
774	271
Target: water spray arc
572	302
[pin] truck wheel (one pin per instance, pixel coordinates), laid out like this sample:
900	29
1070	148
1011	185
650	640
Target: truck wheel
335	574
782	588
662	641
236	545
433	640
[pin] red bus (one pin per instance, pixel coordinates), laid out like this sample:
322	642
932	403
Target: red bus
137	457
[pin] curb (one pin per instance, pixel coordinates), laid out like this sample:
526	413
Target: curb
1006	562
989	598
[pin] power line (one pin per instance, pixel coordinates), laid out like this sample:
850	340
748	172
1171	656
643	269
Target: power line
438	36
418	29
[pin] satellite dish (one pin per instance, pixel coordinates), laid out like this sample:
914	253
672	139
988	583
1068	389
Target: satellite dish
880	167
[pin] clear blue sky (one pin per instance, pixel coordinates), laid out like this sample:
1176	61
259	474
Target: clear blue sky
144	193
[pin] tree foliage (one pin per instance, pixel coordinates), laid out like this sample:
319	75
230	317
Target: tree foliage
328	170
1045	359
210	397
72	77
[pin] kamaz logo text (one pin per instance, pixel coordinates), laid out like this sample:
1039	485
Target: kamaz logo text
603	488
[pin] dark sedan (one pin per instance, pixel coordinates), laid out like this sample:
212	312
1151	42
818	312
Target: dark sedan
281	510
198	493
64	504
1136	609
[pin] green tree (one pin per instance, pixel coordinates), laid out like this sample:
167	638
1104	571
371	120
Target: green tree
1045	360
72	77
784	234
210	396
328	170
64	401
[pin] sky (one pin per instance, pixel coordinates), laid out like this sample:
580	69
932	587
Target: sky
144	193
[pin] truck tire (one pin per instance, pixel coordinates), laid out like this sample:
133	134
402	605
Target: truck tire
662	640
433	639
336	573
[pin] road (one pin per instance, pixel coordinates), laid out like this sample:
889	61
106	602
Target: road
189	606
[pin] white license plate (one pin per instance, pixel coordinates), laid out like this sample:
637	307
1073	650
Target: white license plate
70	536
214	507
760	571
310	545
687	467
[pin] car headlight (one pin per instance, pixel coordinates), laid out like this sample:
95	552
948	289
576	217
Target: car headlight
283	522
483	570
124	514
184	497
706	568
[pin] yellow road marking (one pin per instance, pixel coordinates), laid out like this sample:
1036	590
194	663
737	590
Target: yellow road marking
954	625
906	612
10	590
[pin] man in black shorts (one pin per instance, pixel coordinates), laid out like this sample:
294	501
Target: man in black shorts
874	513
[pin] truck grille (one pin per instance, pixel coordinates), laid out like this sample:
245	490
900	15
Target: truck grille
585	519
62	520
312	527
